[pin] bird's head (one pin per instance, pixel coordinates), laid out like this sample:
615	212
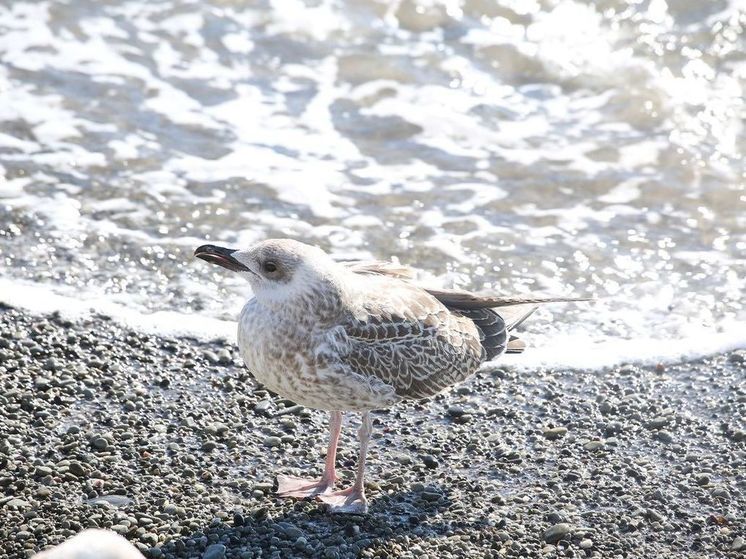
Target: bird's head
277	269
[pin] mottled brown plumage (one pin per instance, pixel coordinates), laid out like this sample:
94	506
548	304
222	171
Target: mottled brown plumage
358	336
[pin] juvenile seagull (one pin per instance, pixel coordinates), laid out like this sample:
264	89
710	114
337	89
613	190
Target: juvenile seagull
358	337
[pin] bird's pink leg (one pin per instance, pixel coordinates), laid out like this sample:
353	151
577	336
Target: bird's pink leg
289	486
352	499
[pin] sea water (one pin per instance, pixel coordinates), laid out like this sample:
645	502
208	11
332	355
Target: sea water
551	147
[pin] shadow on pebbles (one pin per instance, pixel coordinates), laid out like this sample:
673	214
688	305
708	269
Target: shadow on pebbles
172	444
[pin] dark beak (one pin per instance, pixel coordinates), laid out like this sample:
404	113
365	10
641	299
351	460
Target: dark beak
220	256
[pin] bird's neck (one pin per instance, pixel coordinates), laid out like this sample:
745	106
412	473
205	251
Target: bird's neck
318	302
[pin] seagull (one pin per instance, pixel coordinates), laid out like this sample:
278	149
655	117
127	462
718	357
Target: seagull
356	337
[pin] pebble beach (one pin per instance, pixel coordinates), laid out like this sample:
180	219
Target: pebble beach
172	444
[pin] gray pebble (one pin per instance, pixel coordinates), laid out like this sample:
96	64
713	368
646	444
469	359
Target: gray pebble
593	446
554	433
99	443
215	551
272	441
557	532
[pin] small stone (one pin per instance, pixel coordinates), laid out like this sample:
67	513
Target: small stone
149	539
554	433
209	446
17	504
664	437
737	357
52	364
272	441
586	544
738	544
210	357
593	446
77	469
654	515
720	493
215	551
99	443
703	479
120	528
352	530
557	532
262	407
431	496
657	422
455	411
403	459
291	531
429	461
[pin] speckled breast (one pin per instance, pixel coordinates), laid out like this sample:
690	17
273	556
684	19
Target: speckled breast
280	349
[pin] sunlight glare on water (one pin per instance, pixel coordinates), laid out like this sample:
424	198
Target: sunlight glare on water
559	147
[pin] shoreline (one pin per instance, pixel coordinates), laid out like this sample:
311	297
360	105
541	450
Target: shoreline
170	442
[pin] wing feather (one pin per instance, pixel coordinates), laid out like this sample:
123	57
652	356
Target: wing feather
406	338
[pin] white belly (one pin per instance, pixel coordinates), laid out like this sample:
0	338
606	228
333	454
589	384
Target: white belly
280	353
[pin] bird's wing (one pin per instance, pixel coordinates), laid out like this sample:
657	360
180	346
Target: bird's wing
495	316
407	339
457	298
381	268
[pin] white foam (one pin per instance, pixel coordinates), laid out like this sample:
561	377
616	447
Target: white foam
585	350
582	351
42	299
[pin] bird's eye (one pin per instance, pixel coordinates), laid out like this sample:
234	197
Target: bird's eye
270	266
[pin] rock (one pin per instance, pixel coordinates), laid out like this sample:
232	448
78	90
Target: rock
586	543
215	551
52	364
554	433
654	516
77	469
737	357
291	531
99	443
149	539
557	532
703	479
455	411
657	422
262	407
593	446
115	501
431	495
16	503
738	544
664	437
720	493
272	441
429	461
403	459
